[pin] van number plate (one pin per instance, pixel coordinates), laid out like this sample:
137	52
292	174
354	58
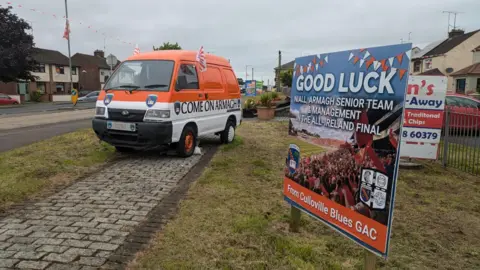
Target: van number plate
121	126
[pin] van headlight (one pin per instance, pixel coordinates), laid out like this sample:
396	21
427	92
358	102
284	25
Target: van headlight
100	111
157	114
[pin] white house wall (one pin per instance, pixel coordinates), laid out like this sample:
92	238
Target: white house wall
43	76
64	77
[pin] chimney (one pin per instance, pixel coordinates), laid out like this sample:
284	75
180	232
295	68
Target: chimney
99	53
455	33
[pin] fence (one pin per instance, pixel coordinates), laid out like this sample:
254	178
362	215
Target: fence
460	144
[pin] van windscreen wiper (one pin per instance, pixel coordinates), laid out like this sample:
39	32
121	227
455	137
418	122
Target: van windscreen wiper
128	86
154	85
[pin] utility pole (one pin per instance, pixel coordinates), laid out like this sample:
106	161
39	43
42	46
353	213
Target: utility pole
68	40
253	78
409	36
279	70
246	71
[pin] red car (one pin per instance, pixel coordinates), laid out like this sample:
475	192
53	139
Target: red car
464	112
7	100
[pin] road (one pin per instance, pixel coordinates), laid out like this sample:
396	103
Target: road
32	108
13	138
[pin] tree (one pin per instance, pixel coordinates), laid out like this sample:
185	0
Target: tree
168	46
286	77
16	48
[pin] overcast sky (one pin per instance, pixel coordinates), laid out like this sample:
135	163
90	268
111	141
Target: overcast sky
248	32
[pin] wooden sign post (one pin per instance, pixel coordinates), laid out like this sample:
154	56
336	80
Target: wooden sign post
294	219
370	260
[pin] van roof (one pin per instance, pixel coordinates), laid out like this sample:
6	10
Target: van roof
177	55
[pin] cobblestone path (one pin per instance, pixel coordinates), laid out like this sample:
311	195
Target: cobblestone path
95	222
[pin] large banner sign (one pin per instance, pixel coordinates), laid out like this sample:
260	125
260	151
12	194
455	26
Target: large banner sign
350	103
423	116
250	88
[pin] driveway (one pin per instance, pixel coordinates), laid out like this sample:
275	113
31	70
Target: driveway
102	220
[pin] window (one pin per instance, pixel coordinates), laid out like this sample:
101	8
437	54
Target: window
60	87
142	75
60	70
41	87
102	73
40	68
465	102
74	71
190	73
460	86
3	96
213	78
478	85
428	64
417	65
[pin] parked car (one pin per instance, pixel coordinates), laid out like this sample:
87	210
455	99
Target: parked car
464	112
7	100
90	97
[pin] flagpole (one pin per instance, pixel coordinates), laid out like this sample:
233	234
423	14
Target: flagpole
68	40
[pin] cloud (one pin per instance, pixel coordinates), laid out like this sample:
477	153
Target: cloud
246	32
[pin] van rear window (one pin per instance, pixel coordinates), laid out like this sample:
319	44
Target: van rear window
154	75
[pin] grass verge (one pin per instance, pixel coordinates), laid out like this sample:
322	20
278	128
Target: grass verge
234	217
29	170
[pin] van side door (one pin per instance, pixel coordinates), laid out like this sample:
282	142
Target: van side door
186	98
214	87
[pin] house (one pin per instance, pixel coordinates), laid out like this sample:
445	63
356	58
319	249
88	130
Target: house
53	77
447	56
284	67
94	70
467	80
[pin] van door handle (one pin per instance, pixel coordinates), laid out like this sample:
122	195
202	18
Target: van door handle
200	95
206	96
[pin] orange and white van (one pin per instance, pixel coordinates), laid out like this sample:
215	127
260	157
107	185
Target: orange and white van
162	98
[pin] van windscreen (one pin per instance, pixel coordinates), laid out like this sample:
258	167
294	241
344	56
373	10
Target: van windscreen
154	75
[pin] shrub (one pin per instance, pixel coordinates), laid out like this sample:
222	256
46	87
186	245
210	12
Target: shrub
249	103
36	95
274	95
265	100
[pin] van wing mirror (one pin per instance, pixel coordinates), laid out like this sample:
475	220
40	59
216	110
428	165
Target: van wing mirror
181	83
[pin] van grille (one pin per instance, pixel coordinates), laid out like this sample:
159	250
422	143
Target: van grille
133	115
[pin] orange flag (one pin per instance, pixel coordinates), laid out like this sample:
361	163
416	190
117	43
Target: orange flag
321	63
370	62
384	64
402	72
400	57
355	60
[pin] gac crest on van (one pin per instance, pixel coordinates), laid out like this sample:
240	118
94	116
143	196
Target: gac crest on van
161	98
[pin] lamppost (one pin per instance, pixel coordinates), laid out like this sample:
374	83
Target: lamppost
246	72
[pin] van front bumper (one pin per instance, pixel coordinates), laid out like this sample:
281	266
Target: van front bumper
147	135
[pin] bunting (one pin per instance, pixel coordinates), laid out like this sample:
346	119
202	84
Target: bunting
60	17
370	61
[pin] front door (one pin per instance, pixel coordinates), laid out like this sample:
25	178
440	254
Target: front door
22	90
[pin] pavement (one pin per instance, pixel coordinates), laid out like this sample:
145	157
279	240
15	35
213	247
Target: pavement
102	220
21	121
13	138
32	108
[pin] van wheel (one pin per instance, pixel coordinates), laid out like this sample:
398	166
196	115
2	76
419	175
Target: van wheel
124	149
228	135
188	142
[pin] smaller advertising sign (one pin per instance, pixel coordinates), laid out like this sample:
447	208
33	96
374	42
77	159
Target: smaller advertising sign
250	88
423	116
259	86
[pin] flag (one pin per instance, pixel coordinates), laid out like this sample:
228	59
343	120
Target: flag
136	50
66	33
201	59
